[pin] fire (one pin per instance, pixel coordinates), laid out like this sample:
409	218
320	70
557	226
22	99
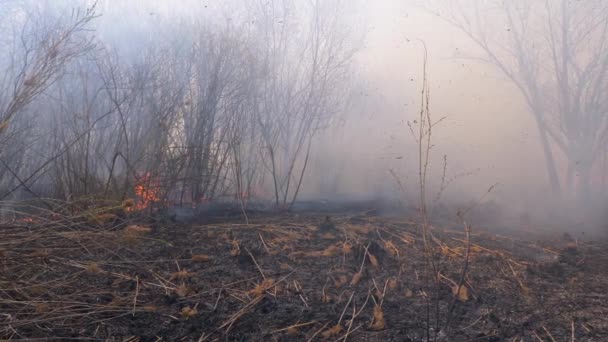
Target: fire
146	192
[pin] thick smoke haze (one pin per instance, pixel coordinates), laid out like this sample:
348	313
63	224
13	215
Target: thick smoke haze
488	136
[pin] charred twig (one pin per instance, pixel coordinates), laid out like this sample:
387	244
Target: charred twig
297	325
136	294
548	333
264	243
230	322
217	301
463	274
346	307
255	262
299	290
355	315
317	332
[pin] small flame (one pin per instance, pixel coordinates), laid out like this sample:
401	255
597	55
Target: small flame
146	192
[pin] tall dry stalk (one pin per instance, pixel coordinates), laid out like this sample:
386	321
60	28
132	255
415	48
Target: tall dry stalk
423	138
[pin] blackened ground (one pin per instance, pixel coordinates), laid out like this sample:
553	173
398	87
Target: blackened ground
295	276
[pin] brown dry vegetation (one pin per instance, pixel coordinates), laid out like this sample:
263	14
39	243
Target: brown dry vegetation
291	277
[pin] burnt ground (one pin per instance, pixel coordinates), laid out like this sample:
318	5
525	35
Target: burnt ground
303	277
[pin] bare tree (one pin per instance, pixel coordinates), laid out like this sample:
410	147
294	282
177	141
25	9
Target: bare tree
303	67
213	60
556	54
187	117
39	55
36	56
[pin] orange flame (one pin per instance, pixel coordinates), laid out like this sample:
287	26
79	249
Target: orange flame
146	192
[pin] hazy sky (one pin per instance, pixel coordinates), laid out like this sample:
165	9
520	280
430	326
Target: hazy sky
487	126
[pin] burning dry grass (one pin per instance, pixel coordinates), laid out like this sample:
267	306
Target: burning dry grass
68	278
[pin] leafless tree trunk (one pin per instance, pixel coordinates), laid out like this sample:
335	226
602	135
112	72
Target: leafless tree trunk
556	53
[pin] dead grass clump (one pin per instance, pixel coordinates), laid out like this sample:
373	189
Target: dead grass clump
461	293
373	260
378	322
236	248
285	267
391	249
341	281
4	126
330	251
93	268
183	290
133	232
328	236
188	312
362	230
103	219
332	332
280	240
201	258
135	228
356	278
261	288
118	301
183	274
347	248
296	256
150	308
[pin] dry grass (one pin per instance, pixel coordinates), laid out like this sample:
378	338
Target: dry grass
69	276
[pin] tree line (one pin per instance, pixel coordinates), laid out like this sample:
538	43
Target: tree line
221	110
